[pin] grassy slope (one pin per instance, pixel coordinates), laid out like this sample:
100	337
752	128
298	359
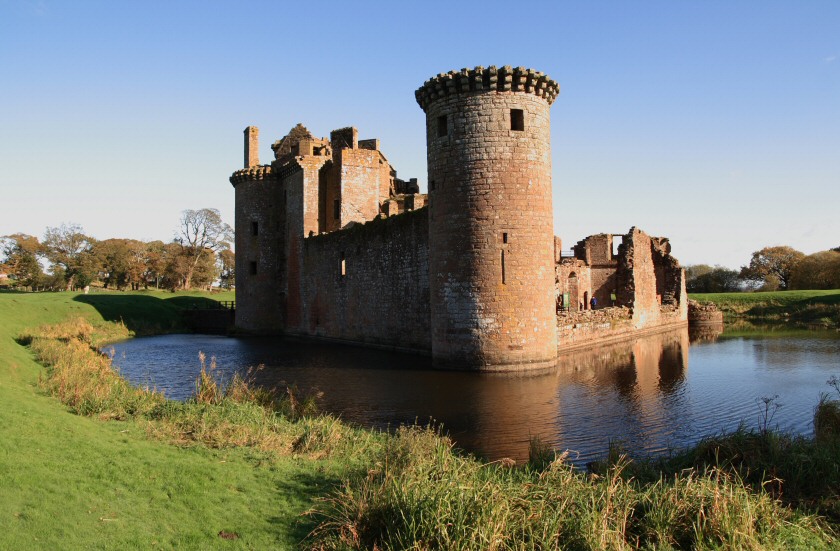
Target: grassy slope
71	482
821	307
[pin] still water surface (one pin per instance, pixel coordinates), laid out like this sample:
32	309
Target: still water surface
651	394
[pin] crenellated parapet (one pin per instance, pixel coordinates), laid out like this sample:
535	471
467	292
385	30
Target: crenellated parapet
480	79
251	174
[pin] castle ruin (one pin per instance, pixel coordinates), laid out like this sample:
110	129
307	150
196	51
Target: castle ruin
332	244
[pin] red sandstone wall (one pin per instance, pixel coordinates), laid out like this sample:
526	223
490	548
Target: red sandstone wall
383	296
487	180
362	172
260	201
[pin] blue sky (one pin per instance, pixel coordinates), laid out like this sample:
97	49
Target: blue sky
716	124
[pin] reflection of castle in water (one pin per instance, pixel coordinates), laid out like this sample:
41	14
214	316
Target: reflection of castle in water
704	333
630	391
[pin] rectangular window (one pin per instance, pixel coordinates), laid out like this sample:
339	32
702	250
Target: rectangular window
255	228
504	238
343	266
517	119
336	209
432	185
253	267
442	129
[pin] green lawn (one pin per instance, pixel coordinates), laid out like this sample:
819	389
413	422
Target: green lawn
73	482
804	307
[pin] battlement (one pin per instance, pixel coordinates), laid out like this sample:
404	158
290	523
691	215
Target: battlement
479	79
250	174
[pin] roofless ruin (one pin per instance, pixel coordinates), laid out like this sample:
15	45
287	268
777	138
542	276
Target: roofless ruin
331	244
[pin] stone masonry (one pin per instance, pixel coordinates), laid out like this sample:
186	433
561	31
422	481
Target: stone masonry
331	244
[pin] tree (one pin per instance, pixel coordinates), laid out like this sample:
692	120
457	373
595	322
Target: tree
122	262
69	248
706	279
818	271
202	233
772	263
20	259
227	268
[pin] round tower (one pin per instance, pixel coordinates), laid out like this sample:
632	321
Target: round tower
259	241
491	234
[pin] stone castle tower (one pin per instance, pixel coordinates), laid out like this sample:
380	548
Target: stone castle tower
491	239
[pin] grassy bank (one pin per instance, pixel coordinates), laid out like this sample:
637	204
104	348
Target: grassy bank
800	307
72	481
245	464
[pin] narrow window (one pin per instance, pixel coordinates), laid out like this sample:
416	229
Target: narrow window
517	119
343	266
503	268
432	185
441	127
255	228
336	209
253	267
504	238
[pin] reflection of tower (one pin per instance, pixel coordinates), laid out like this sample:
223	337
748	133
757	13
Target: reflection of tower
491	236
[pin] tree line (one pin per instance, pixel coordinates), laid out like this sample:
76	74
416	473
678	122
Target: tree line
770	269
199	254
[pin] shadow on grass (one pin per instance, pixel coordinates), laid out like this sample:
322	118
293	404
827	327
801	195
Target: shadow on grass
308	488
144	315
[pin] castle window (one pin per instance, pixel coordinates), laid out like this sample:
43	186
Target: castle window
253	267
504	238
431	185
503	268
316	150
343	266
517	119
336	209
255	228
442	129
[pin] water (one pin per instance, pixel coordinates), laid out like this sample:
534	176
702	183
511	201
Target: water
653	394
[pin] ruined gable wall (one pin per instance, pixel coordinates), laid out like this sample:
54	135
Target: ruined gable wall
638	263
363	175
383	298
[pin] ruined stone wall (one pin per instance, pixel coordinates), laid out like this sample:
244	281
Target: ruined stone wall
260	249
364	179
490	217
573	279
369	283
636	278
299	180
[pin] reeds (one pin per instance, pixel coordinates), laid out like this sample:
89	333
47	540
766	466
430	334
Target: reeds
421	495
218	415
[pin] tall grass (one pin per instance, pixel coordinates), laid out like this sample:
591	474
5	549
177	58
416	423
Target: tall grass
420	495
218	415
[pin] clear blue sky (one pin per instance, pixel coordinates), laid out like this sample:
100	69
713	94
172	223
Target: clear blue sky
714	123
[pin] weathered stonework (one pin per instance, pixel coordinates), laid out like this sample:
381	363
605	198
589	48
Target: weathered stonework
332	245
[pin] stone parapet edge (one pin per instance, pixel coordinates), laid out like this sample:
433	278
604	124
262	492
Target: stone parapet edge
480	79
250	174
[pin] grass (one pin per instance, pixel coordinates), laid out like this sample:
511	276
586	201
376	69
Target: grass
74	482
238	467
799	307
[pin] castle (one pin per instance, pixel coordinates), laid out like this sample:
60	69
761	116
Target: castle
331	244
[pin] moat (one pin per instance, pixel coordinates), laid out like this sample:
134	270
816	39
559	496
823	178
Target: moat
652	394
